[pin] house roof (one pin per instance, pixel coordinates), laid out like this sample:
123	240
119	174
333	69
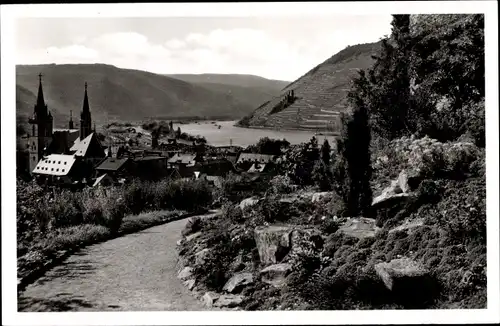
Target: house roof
112	164
182	158
99	179
80	147
251	157
150	158
71	131
213	178
258	168
55	164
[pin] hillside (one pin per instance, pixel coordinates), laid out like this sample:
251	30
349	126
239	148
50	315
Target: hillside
249	81
320	93
121	94
250	89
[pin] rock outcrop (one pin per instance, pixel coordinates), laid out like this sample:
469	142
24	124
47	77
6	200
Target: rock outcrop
273	243
360	227
402	273
248	202
238	282
276	274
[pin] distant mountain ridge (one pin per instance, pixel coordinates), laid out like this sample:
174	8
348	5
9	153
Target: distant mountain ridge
320	94
117	94
248	88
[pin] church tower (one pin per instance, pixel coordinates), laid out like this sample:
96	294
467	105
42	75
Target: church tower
41	130
85	118
71	126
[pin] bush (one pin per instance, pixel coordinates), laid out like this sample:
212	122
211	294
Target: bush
352	166
281	185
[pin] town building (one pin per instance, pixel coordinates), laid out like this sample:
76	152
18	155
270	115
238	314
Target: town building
246	160
58	155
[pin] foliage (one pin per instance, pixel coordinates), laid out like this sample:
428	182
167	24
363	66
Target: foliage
304	163
352	166
281	185
165	194
269	146
430	82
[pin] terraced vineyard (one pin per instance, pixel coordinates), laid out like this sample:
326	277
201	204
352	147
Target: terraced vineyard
321	93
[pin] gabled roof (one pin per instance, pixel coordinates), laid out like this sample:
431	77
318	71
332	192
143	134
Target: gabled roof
55	164
80	147
252	157
259	168
149	158
182	158
112	164
101	178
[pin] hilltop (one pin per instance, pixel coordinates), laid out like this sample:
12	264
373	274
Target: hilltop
320	94
248	88
125	95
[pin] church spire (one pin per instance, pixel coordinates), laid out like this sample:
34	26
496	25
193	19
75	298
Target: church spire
86	107
71	119
40	102
85	117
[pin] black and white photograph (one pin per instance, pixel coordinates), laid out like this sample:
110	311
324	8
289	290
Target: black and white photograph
325	158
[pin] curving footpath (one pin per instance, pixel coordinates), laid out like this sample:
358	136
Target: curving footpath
136	272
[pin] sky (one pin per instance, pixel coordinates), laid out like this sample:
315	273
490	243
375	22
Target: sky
278	47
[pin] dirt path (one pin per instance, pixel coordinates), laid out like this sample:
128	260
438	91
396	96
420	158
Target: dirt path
136	272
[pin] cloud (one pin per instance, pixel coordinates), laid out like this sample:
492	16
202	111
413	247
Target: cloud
175	44
127	44
232	50
72	52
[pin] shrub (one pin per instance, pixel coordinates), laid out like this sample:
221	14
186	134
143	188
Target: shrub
232	213
352	167
193	225
65	209
329	226
281	185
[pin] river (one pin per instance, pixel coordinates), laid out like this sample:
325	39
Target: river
244	136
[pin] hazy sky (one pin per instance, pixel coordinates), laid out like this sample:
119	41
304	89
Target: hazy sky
277	48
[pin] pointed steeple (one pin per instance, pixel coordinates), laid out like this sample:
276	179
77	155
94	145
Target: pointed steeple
40	110
86	107
85	117
71	119
40	102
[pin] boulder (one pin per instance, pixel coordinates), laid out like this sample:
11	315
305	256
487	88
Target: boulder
248	202
403	181
238	282
192	236
360	227
209	298
408	225
190	284
185	273
276	274
408	180
201	256
273	242
387	198
229	300
319	195
399	189
402	274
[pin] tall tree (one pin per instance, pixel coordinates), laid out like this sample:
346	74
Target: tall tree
352	167
325	152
